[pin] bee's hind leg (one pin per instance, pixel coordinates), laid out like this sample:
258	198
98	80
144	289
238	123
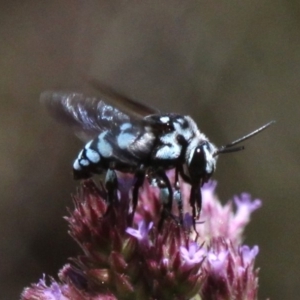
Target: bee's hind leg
111	184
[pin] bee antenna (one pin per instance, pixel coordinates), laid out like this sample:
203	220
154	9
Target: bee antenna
227	148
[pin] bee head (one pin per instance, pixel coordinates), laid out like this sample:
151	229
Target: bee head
202	158
202	162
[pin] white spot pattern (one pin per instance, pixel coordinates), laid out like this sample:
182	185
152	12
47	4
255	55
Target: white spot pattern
186	133
168	152
210	160
84	162
144	143
164	119
169	138
125	126
125	139
76	165
92	155
180	121
104	147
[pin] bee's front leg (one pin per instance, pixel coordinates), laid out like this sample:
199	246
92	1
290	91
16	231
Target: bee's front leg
195	201
195	196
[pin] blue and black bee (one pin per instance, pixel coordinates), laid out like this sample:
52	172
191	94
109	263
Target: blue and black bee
139	140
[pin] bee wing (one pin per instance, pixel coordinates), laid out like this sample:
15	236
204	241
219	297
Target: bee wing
88	116
129	106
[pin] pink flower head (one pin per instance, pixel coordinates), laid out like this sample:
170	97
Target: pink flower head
231	270
219	220
129	258
58	291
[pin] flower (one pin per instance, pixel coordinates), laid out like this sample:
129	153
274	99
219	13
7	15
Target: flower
57	291
245	206
229	272
193	253
217	262
221	221
130	258
142	232
42	291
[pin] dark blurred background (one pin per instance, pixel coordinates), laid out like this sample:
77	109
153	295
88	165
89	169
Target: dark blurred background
231	65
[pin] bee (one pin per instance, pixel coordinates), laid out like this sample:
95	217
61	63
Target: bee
139	139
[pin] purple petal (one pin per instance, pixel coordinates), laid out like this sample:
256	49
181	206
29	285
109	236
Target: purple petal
43	292
210	186
248	254
245	204
194	254
134	232
142	232
218	262
187	220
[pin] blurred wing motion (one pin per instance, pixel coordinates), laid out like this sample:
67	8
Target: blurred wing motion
87	116
127	105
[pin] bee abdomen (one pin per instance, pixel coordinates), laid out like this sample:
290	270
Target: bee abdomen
92	156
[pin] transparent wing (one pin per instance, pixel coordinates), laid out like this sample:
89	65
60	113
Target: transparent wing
129	106
88	116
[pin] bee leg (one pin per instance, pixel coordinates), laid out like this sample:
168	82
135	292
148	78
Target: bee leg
139	180
185	177
111	184
177	197
166	195
195	200
198	200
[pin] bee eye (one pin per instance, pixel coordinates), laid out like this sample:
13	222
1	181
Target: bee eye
197	165
199	156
